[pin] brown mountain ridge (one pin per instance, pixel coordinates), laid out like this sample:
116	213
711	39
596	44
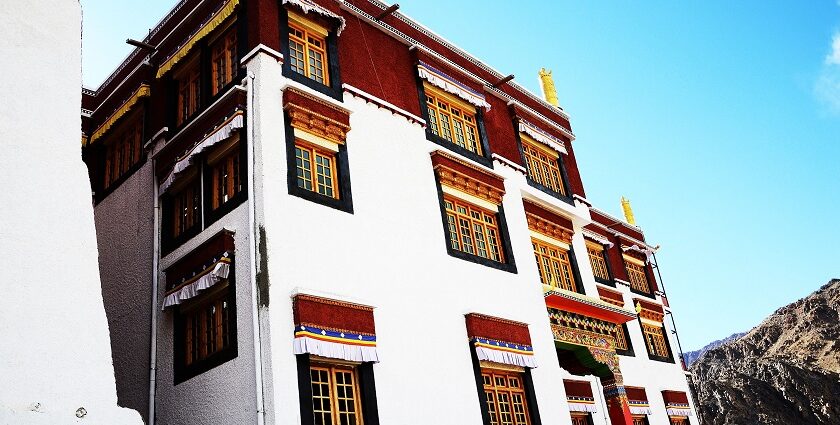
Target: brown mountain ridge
784	371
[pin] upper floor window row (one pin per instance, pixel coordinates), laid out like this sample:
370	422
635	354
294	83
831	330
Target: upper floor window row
123	151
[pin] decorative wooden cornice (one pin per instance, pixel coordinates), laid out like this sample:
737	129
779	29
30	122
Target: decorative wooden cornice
545	227
452	178
649	311
317	124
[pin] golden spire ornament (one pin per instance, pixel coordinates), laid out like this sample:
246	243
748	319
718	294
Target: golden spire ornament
549	91
628	211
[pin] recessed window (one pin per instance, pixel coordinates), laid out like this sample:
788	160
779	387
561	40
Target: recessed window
638	276
621	339
473	230
543	164
308	51
186	208
597	260
678	420
505	395
123	151
226	175
205	334
189	89
224	60
580	418
554	265
335	394
316	169
453	120
640	420
655	340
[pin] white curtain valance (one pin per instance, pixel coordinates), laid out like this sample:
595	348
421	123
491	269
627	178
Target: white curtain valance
582	406
678	411
647	252
309	6
223	132
597	238
640	410
193	287
505	353
335	345
451	85
542	137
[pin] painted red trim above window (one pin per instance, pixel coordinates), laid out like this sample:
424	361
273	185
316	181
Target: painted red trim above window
647	305
482	326
611	295
292	96
201	257
332	314
578	388
537	210
595	308
636	394
677	397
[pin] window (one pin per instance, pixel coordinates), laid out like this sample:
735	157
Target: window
638	277
554	265
597	260
655	340
335	394
453	120
224	60
315	169
678	420
123	152
186	209
505	397
189	89
543	164
473	230
580	418
640	420
226	172
308	51
620	338
205	334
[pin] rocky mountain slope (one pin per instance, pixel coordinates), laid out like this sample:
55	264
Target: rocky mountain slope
691	356
784	371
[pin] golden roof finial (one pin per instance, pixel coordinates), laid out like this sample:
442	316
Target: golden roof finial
549	92
628	211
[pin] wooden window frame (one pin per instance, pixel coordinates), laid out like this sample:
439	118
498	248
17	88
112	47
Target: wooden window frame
445	112
122	154
342	191
493	390
527	388
213	211
314	177
169	239
598	253
367	409
633	272
566	263
484	156
311	42
509	264
325	29
227	293
640	420
225	47
581	418
188	89
664	345
487	240
627	350
678	420
566	194
543	165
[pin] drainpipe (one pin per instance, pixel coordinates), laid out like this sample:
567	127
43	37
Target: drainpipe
155	260
255	312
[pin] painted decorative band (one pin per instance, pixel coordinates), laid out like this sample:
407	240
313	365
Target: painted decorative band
505	352
333	344
640	410
579	404
450	85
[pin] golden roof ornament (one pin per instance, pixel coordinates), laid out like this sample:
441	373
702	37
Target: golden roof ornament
628	211
549	91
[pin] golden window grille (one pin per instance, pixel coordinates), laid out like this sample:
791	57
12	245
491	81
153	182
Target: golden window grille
655	340
335	395
505	397
554	266
620	338
543	165
473	230
598	262
453	121
638	277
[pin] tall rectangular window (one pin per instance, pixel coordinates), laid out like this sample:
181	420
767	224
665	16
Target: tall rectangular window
580	418
316	169
226	177
453	120
505	396
543	164
208	327
308	51
655	340
224	60
473	230
597	260
554	265
189	89
638	277
621	338
123	150
186	208
335	394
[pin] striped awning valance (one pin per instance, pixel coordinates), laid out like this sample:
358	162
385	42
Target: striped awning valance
336	329
216	19
448	84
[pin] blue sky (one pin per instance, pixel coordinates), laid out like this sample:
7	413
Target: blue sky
719	120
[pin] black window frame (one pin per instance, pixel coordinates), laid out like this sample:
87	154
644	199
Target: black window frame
367	391
630	351
183	373
605	256
167	200
561	164
342	170
648	276
334	90
504	244
527	387
486	159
